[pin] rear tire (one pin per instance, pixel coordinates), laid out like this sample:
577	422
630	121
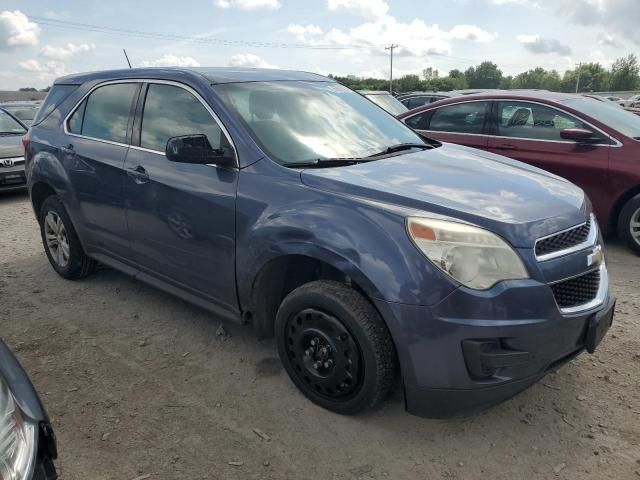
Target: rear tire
335	347
629	224
61	243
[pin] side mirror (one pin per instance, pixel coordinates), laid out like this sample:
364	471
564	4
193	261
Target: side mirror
197	149
579	135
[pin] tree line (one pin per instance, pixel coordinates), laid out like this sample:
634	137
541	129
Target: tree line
623	75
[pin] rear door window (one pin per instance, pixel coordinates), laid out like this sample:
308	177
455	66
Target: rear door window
105	113
171	111
466	118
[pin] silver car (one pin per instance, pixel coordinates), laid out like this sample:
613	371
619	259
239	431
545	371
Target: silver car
12	176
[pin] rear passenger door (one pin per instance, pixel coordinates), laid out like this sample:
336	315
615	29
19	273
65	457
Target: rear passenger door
461	123
94	151
181	216
530	132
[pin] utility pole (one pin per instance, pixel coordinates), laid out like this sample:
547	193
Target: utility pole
579	65
391	47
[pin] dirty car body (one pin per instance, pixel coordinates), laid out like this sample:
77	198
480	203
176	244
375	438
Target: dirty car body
285	224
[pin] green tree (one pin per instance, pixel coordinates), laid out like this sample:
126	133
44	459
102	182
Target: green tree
430	73
407	83
28	89
625	74
485	75
538	78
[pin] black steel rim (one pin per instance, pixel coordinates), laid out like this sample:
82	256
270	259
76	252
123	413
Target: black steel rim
324	354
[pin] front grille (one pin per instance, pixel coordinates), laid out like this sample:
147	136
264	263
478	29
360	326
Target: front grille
563	240
577	291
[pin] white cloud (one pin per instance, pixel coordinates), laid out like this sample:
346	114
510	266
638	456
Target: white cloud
171	60
31	65
364	8
44	72
302	32
607	40
249	4
16	30
249	60
416	39
539	45
65	51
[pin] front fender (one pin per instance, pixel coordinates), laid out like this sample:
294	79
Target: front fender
278	215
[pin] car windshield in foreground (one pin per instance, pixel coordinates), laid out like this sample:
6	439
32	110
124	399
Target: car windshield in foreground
9	125
300	123
620	120
387	101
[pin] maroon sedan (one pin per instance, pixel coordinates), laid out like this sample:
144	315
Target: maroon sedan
591	143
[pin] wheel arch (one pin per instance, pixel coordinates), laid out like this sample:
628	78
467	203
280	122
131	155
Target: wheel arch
280	275
619	205
40	191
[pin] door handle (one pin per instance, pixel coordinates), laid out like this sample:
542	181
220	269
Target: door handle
139	174
507	146
68	150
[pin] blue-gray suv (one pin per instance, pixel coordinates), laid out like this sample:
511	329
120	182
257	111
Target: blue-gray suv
288	202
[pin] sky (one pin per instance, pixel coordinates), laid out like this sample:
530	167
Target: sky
42	40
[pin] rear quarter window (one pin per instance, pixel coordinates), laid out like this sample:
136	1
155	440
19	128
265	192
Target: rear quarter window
55	97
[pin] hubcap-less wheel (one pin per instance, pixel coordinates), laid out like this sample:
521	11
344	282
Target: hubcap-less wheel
324	354
57	240
634	226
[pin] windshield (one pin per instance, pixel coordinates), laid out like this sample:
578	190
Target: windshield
9	125
624	122
390	103
22	112
299	122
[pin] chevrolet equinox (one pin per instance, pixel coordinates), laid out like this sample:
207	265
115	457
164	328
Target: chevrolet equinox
286	201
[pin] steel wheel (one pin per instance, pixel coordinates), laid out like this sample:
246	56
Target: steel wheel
634	226
324	354
56	238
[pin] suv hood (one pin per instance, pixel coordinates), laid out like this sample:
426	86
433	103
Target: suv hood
517	201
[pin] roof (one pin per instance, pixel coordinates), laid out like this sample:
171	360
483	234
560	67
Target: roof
212	74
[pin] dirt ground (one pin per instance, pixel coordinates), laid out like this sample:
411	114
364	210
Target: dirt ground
139	385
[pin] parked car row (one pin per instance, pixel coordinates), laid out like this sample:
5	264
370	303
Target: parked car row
592	143
288	202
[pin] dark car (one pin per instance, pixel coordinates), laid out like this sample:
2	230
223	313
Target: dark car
590	142
417	99
27	442
23	111
11	152
384	100
287	201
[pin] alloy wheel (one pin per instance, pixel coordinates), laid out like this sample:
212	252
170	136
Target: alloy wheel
634	226
56	238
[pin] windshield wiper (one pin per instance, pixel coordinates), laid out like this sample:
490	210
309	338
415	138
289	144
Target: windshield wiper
327	162
400	147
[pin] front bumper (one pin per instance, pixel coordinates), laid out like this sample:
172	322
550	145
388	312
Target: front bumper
12	177
518	320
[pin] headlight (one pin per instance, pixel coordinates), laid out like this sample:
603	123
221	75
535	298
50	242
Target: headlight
473	256
17	439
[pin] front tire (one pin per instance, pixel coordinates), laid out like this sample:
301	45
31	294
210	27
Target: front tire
61	243
335	347
629	224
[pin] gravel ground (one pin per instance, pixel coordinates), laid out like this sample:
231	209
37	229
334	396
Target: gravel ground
141	385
